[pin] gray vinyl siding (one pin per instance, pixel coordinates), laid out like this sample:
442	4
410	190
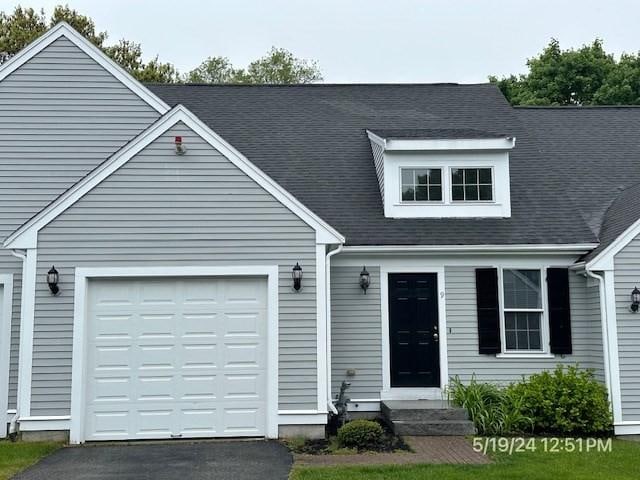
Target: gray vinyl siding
462	336
357	342
163	209
627	277
61	114
378	160
356	332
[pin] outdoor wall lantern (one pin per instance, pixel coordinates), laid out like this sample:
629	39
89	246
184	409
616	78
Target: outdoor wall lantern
296	274
635	300
365	279
52	280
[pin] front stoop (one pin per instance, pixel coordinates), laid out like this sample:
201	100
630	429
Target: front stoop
427	418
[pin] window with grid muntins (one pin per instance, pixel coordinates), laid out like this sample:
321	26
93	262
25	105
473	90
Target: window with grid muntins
421	185
522	309
471	184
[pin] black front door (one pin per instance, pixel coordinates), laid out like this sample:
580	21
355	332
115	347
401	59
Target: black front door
413	330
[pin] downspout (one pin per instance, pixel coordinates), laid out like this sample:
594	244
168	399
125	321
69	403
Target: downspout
605	329
327	264
13	424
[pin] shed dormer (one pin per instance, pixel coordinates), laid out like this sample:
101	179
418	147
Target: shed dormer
439	173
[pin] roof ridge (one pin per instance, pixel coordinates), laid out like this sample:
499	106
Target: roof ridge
571	107
319	85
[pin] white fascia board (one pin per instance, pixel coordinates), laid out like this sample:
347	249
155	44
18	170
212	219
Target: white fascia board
604	260
447	144
578	248
63	29
26	236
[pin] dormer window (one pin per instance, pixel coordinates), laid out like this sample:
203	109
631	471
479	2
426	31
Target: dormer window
421	184
442	173
471	184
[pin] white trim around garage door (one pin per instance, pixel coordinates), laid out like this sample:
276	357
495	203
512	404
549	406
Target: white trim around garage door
78	368
5	343
389	393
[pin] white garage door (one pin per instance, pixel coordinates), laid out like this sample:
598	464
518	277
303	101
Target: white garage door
171	358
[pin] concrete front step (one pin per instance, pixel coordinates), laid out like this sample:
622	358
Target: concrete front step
416	412
426	418
433	428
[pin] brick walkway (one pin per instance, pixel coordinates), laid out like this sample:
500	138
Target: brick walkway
454	450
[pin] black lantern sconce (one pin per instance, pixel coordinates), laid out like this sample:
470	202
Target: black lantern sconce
52	280
296	274
635	300
365	279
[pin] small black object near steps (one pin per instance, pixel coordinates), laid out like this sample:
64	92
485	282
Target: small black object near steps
426	418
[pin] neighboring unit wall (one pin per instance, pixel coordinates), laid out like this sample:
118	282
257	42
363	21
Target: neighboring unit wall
61	114
357	342
162	209
627	277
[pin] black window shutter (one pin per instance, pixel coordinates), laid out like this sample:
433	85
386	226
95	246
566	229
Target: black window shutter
488	310
559	310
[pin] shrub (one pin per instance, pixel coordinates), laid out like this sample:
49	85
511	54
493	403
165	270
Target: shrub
566	401
361	434
493	410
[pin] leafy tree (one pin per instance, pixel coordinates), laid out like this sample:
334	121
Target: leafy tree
588	75
23	25
213	70
278	66
19	29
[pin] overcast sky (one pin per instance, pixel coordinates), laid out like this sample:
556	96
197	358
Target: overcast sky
365	41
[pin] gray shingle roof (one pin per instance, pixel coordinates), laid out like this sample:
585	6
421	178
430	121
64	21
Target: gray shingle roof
623	212
312	140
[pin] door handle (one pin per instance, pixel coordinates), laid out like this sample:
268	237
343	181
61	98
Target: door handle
435	336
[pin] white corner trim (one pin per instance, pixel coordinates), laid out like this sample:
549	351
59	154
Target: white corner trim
63	29
612	338
27	312
321	328
6	280
78	367
26	235
436	144
389	393
604	259
44	423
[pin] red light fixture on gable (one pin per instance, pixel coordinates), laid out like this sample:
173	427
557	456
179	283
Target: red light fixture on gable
180	148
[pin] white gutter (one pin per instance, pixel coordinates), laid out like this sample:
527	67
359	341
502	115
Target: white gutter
530	248
14	420
605	330
327	264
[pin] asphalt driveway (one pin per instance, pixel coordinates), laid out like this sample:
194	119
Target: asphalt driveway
235	460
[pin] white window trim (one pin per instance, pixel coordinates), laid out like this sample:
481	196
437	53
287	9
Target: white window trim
6	280
422	202
467	202
430	393
544	352
78	364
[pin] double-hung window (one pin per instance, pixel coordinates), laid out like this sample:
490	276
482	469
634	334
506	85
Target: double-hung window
421	184
523	310
471	184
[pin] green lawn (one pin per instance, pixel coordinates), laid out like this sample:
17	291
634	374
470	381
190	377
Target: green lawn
622	463
15	457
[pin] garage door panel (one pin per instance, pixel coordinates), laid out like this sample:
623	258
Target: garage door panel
191	365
